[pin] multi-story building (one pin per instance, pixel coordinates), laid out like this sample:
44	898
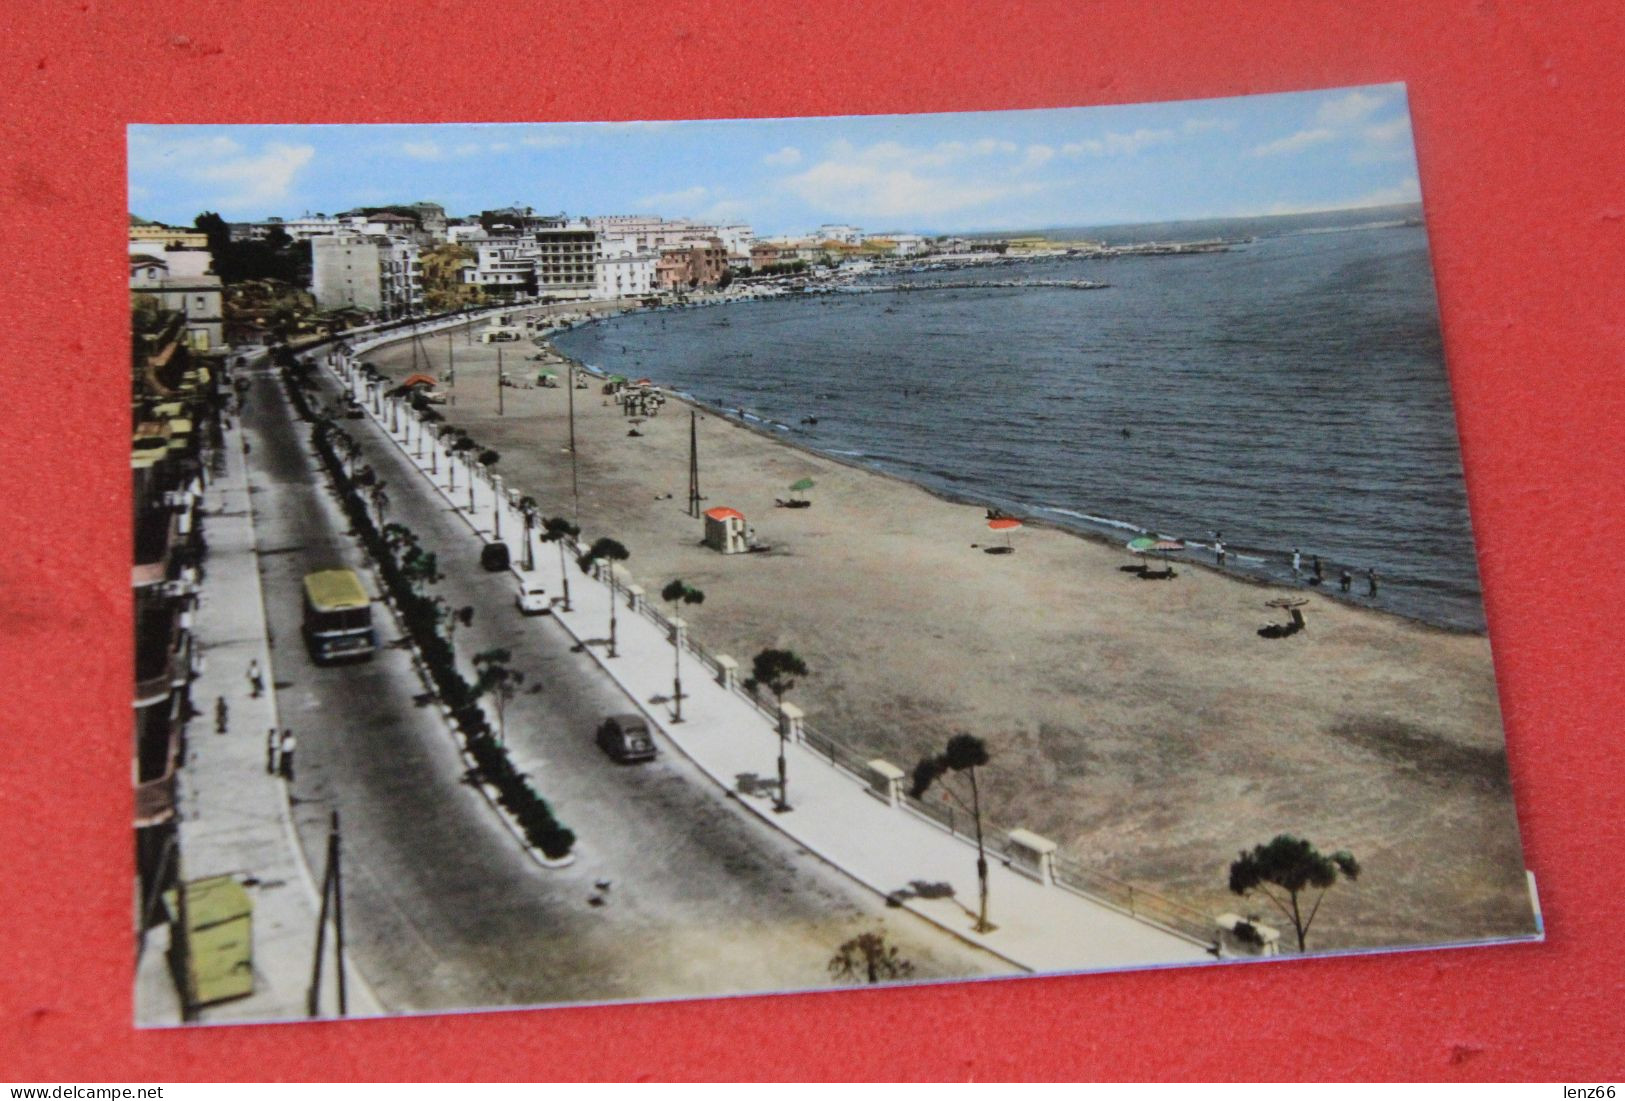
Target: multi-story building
650	233
845	234
154	236
558	261
691	265
300	229
173	404
375	274
182	281
627	275
567	258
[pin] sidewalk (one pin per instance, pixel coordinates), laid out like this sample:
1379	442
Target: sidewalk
890	849
235	816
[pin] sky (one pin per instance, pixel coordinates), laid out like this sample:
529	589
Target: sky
937	173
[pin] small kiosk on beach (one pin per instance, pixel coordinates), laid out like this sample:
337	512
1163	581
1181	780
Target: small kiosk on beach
725	530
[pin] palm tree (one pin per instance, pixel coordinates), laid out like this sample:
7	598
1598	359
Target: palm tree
610	551
558	530
778	670
965	753
497	678
678	592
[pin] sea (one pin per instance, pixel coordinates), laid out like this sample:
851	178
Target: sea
1289	394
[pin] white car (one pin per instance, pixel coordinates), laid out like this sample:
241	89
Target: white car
532	598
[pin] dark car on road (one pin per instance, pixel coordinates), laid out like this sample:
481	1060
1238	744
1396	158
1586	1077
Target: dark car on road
626	738
494	557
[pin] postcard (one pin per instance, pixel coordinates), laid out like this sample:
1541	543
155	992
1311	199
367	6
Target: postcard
603	562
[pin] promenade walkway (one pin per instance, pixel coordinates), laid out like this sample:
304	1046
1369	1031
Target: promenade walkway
837	814
234	816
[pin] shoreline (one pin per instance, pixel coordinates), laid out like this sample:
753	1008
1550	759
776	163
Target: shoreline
1155	734
1025	513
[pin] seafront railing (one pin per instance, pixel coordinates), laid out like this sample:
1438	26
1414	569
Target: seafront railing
1068	873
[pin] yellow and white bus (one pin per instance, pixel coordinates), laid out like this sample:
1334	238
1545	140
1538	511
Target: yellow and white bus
338	616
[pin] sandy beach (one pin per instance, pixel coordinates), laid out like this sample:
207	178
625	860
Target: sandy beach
1143	725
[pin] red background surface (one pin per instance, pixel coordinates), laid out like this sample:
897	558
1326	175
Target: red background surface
1518	111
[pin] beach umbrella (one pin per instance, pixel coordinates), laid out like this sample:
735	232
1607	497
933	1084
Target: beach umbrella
1006	524
801	486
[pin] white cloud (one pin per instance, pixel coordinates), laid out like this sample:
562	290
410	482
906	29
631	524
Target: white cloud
1117	145
1385	132
784	158
259	180
230	176
1303	139
423	150
1038	156
1408	190
678	203
1349	109
863	190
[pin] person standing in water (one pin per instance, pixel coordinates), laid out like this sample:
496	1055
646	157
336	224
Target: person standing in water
1371	582
1297	563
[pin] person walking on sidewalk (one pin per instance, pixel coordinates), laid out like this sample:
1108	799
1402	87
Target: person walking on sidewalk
270	751
256	684
285	752
221	713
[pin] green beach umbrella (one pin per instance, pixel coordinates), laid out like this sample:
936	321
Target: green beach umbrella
802	486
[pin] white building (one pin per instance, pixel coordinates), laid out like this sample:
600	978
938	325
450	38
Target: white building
626	275
846	235
193	290
560	262
651	233
908	244
374	274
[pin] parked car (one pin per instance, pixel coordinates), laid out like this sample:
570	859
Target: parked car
494	557
532	598
626	739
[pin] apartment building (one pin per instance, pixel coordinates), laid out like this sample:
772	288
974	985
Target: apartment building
627	275
691	265
374	274
182	282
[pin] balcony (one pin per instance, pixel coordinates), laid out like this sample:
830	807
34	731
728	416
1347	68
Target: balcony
157	752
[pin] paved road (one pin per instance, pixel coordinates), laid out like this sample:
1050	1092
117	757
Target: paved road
443	907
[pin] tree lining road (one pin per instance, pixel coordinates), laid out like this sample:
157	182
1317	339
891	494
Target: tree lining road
443	908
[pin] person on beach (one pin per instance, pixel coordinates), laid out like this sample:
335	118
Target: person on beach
285	750
1297	563
1344	580
256	685
1320	574
1371	582
270	751
1218	547
221	714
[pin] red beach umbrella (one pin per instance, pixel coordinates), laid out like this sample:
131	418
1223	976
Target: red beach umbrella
1006	524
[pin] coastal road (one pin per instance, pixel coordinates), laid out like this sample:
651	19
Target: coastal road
443	907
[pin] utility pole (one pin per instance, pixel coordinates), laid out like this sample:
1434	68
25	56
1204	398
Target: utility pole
332	894
575	488
694	497
499	380
451	366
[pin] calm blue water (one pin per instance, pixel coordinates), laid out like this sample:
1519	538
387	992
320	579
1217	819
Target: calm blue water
1291	393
